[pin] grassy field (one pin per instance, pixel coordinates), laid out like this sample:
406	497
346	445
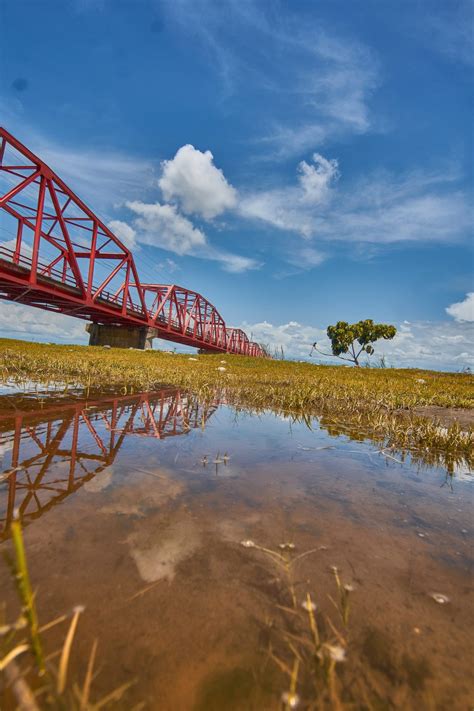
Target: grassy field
381	403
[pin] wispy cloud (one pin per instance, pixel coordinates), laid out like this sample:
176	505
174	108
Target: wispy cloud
169	265
380	208
332	93
163	226
449	30
99	176
294	207
320	84
306	258
384	209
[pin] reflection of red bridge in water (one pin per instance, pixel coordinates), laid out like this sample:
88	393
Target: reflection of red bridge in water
62	258
52	452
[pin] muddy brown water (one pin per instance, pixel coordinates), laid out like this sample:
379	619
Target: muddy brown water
137	507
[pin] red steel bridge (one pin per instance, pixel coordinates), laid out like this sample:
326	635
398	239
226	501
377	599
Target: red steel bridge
57	255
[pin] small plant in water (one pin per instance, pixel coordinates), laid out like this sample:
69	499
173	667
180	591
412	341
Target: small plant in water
344	592
315	644
247	544
290	698
32	680
439	598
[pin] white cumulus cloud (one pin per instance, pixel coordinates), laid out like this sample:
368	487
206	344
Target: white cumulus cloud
25	249
430	344
163	226
316	179
192	179
124	232
295	338
424	344
463	310
27	322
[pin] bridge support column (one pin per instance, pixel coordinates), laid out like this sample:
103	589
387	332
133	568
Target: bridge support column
121	336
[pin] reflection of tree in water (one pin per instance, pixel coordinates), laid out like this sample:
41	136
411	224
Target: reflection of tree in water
47	455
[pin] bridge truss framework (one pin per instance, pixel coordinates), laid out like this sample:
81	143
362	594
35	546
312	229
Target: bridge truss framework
61	257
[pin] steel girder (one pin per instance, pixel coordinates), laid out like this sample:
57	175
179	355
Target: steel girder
57	255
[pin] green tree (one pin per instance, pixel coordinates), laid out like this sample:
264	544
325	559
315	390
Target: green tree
354	339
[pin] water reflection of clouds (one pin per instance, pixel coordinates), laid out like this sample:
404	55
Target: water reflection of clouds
5	447
100	482
142	495
158	551
462	473
164	521
51	452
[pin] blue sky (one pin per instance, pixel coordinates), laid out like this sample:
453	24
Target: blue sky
296	162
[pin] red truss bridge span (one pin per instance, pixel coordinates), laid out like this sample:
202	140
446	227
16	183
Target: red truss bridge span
57	255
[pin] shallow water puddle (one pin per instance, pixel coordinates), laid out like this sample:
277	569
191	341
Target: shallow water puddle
193	535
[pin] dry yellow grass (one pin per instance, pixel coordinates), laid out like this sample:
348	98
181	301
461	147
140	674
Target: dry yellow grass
379	403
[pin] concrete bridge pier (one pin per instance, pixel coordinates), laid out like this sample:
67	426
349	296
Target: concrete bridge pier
121	336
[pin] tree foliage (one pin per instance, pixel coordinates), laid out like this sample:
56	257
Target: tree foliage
354	339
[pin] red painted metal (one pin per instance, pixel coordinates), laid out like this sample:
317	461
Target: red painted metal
61	257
